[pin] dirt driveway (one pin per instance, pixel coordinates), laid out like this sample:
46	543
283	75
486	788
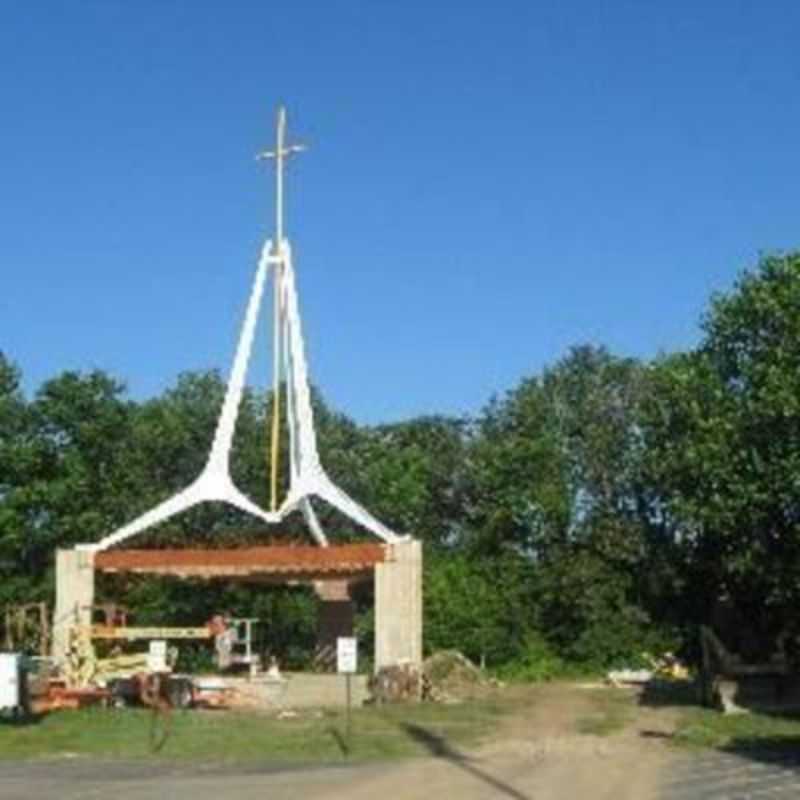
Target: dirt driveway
539	753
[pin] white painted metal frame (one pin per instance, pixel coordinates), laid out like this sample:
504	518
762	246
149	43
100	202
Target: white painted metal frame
307	478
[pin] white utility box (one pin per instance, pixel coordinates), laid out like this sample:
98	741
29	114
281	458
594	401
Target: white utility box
10	677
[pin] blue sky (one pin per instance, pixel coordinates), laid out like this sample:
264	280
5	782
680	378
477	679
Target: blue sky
487	183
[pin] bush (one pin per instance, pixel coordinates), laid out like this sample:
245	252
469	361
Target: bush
584	607
475	607
537	662
619	640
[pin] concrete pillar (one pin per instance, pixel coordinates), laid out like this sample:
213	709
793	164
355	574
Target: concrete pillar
335	618
398	606
74	596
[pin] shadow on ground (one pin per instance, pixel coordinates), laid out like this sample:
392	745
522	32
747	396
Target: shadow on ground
340	739
779	751
438	747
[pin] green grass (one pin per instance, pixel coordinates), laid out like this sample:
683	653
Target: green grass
707	728
611	711
225	737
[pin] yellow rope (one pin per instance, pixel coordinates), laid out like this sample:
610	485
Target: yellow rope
276	396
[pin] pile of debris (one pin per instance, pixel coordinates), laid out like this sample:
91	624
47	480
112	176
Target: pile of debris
664	668
450	677
446	677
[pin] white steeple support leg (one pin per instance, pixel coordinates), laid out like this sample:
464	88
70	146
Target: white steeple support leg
214	482
313	522
310	476
303	412
226	425
291	421
336	497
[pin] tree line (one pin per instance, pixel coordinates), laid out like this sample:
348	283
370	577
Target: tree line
603	507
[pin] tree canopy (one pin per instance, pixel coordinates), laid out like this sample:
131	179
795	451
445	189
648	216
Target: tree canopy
598	508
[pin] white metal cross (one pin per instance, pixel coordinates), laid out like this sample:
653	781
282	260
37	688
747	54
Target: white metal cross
280	153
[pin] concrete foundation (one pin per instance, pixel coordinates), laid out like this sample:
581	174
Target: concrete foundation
74	596
398	606
298	690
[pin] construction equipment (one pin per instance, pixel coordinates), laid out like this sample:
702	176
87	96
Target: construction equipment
233	645
233	642
133	634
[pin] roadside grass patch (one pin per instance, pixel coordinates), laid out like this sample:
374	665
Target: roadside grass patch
703	727
380	732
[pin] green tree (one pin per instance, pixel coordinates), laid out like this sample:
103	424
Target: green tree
18	462
558	479
411	475
478	607
723	439
518	491
558	460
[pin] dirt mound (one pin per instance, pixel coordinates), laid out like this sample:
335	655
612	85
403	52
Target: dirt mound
446	677
449	676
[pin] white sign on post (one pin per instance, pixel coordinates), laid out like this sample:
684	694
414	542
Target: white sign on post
346	654
157	656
